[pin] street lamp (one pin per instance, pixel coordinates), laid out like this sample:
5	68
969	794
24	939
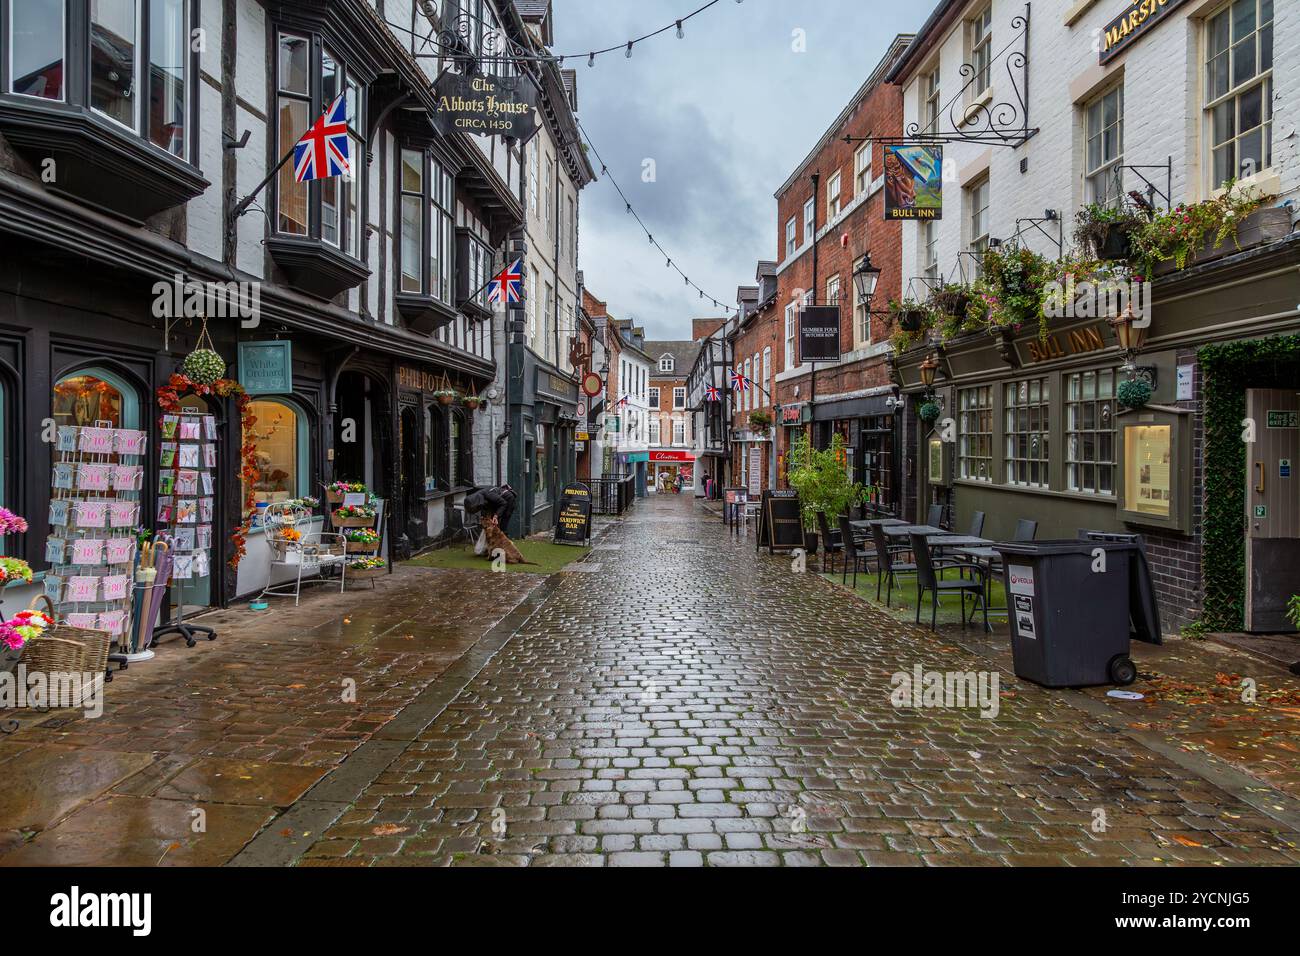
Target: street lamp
1132	336
865	278
928	369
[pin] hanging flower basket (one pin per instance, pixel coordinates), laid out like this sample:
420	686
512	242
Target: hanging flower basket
204	366
447	397
472	402
929	412
1133	394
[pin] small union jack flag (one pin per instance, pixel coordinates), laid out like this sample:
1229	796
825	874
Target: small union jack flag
739	382
324	149
712	394
508	286
621	402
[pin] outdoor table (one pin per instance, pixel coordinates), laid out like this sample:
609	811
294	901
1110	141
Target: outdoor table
865	524
956	541
907	530
986	556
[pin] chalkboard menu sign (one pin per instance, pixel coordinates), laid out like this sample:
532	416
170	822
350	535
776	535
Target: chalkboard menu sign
573	521
780	522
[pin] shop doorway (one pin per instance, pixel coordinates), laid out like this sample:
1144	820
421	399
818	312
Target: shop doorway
1272	508
411	491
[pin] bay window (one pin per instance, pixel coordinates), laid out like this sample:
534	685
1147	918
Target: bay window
36	32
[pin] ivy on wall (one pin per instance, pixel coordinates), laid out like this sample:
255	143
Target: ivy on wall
1227	370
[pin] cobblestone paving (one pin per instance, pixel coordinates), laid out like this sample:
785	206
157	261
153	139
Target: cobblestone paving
695	703
241	726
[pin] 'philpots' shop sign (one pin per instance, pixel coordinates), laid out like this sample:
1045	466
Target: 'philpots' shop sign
1140	17
486	105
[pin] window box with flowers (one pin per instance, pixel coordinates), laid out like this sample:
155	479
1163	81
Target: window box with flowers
352	516
1198	233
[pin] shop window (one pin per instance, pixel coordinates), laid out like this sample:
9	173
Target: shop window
1090	432
1026	408
437	471
976	440
878	462
1239	89
95	395
279	437
542	469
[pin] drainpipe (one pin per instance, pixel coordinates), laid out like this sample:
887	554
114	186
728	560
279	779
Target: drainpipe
812	371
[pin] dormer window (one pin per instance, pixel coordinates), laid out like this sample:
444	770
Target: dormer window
666	364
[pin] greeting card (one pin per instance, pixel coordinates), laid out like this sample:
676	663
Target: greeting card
55	549
54	587
129	441
209	456
115	587
165	510
203	540
88	551
169	424
187	511
84	620
205	509
112	621
120	550
184	539
81	589
191	430
210	427
128	477
189	456
187	483
64	473
202	564
67	438
96	441
91	477
92	514
168	458
182	567
59	512
207	483
123	514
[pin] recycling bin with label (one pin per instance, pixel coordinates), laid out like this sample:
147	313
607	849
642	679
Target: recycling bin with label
1071	605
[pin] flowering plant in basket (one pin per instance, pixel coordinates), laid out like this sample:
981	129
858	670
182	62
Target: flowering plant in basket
367	564
362	535
354	511
11	523
13	569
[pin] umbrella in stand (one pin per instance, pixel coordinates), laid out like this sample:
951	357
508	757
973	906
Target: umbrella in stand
163	567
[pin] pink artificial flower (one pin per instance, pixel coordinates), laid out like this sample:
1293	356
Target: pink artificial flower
10	638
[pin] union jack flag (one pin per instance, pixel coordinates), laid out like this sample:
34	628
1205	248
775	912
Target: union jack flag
324	149
712	394
739	382
621	402
508	285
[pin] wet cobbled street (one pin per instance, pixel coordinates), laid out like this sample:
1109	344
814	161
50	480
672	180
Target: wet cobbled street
676	698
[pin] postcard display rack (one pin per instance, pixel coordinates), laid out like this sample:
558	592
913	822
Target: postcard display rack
94	510
187	461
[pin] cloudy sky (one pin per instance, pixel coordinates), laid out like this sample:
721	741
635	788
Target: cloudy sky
726	114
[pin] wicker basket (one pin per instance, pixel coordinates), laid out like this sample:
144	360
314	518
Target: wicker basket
366	574
362	547
352	522
67	649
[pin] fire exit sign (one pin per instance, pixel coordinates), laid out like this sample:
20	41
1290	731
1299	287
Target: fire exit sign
1283	419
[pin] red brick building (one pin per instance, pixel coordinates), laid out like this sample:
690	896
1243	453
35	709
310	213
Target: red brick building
830	212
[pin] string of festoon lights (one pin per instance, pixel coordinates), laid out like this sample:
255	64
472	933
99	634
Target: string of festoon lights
678	25
668	260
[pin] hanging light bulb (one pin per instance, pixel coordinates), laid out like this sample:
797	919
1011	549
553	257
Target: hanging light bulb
591	60
681	34
628	54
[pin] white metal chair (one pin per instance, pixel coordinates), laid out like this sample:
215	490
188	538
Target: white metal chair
306	557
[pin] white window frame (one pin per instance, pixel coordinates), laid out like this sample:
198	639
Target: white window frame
833	205
809	220
1235	92
790	244
979	40
977	220
679	434
862	172
833	290
666	363
929	248
654	431
791	320
653	399
1099	180
930	100
679	398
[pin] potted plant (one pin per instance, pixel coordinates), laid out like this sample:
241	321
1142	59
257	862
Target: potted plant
760	421
822	480
1133	394
1107	231
336	491
1189	234
929	412
352	516
472	402
361	540
365	568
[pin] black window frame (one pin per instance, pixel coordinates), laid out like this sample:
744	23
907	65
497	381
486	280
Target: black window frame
347	73
77	76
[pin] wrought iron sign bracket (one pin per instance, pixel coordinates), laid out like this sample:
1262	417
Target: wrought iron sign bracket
1051	215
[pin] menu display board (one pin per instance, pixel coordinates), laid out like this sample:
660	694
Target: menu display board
1148	452
780	522
573	521
95	491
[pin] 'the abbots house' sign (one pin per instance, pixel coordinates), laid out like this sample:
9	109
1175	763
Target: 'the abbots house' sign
486	105
1137	19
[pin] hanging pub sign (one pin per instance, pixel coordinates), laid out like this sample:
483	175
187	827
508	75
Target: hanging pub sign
1138	18
819	333
485	105
573	522
913	182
